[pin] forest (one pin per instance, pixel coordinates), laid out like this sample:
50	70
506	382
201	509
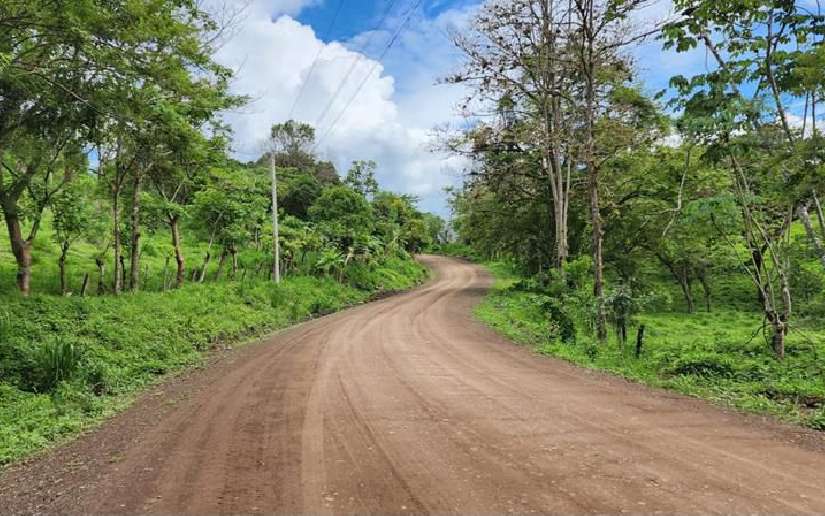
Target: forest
691	216
135	240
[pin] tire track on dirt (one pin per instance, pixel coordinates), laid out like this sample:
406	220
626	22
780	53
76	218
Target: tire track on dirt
408	404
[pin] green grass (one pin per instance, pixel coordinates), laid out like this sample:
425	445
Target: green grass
68	362
720	356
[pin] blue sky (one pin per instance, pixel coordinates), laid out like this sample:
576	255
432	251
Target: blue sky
358	16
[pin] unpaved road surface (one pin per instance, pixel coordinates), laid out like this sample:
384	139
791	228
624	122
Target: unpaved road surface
407	404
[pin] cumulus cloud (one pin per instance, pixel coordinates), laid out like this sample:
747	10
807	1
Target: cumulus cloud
266	8
797	122
273	56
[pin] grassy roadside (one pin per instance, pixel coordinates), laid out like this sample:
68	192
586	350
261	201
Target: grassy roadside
714	355
66	363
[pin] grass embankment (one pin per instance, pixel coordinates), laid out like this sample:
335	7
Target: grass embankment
68	362
719	355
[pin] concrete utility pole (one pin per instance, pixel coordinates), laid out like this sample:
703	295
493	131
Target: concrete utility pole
276	245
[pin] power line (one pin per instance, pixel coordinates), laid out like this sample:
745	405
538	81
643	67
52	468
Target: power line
327	34
355	62
369	74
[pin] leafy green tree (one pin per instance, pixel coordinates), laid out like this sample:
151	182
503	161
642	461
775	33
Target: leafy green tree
751	134
342	214
73	217
436	228
74	71
299	193
361	178
222	210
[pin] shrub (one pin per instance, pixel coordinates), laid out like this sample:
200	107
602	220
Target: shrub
817	421
55	362
702	364
5	327
563	323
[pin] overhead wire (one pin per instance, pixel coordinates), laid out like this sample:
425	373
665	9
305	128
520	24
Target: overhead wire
315	61
355	62
375	65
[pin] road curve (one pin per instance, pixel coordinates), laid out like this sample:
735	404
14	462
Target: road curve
407	404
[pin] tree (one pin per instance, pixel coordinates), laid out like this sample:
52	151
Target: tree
518	58
299	193
74	71
74	217
752	135
223	209
361	178
342	214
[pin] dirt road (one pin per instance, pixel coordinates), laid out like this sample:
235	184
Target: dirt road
407	404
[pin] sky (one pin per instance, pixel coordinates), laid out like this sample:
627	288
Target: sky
328	63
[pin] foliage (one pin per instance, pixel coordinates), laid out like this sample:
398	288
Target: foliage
342	215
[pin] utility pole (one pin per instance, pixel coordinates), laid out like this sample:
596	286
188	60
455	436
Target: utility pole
276	245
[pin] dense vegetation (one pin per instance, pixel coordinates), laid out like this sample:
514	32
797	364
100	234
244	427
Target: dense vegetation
695	214
134	240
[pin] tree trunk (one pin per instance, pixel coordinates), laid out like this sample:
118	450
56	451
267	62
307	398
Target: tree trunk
85	285
221	261
758	262
589	62
779	324
640	338
122	270
61	264
101	274
598	266
180	277
234	253
819	215
117	284
703	279
22	251
682	276
779	341
687	291
134	262
816	243
206	259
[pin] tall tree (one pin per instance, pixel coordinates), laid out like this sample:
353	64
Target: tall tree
290	142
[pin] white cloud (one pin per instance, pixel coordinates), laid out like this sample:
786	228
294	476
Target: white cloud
797	122
278	7
385	122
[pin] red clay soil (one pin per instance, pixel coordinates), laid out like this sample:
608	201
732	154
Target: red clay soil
407	404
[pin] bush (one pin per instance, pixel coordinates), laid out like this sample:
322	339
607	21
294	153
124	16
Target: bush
817	421
702	364
55	362
563	323
5	327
